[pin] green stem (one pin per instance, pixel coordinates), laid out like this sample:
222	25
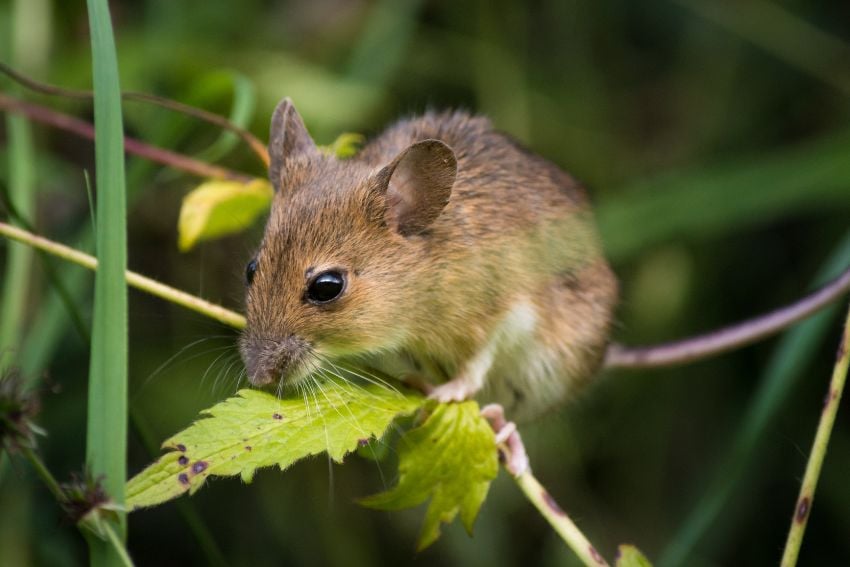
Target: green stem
187	300
118	545
803	508
559	520
44	474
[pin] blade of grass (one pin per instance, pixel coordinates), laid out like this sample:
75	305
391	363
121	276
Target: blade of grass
241	112
106	440
792	355
777	31
19	258
715	200
26	49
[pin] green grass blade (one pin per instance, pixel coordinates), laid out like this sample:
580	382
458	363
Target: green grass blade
717	200
792	355
241	113
778	31
26	51
22	196
106	442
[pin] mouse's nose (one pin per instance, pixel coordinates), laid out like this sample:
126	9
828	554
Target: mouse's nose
269	360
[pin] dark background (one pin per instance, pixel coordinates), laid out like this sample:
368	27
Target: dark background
715	141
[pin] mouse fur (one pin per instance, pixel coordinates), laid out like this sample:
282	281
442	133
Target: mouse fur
470	264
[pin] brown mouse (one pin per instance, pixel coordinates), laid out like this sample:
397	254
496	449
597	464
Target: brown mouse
443	253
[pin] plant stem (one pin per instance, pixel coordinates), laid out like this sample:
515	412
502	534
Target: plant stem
559	520
727	338
803	507
131	145
187	300
118	545
256	145
53	486
44	474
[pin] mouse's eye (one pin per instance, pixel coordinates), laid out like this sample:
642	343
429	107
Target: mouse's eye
326	287
250	270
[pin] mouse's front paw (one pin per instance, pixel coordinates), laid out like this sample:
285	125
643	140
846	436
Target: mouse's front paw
452	391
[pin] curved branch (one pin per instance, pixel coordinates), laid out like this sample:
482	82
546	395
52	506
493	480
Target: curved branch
83	129
727	338
256	145
134	279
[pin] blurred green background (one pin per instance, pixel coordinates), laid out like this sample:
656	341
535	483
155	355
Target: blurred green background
714	137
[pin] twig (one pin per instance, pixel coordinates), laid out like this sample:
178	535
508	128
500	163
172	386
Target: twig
728	338
134	279
131	145
515	462
44	474
257	146
803	507
559	520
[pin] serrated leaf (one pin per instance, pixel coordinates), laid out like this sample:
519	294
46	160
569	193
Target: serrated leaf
219	207
630	556
452	459
256	429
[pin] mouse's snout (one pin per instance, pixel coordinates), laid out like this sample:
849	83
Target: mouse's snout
271	360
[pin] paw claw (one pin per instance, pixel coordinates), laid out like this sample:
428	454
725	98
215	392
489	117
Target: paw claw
507	438
450	392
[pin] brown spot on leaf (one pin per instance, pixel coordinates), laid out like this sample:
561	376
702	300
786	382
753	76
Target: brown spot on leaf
181	447
552	504
247	447
199	466
183	460
802	509
276	415
183	478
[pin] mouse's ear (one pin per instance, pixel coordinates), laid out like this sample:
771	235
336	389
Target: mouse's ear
288	138
418	185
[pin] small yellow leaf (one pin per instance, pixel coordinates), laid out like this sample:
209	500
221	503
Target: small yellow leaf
219	208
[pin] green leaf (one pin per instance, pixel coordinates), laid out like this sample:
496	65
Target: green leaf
630	556
256	429
218	208
345	146
451	459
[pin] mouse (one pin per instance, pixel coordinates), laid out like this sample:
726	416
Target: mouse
444	254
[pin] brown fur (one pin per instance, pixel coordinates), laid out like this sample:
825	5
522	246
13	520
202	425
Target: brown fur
516	231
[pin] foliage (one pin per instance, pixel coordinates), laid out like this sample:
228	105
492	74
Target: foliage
630	556
449	459
711	137
257	429
219	208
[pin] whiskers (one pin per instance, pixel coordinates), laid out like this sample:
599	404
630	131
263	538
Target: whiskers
224	364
